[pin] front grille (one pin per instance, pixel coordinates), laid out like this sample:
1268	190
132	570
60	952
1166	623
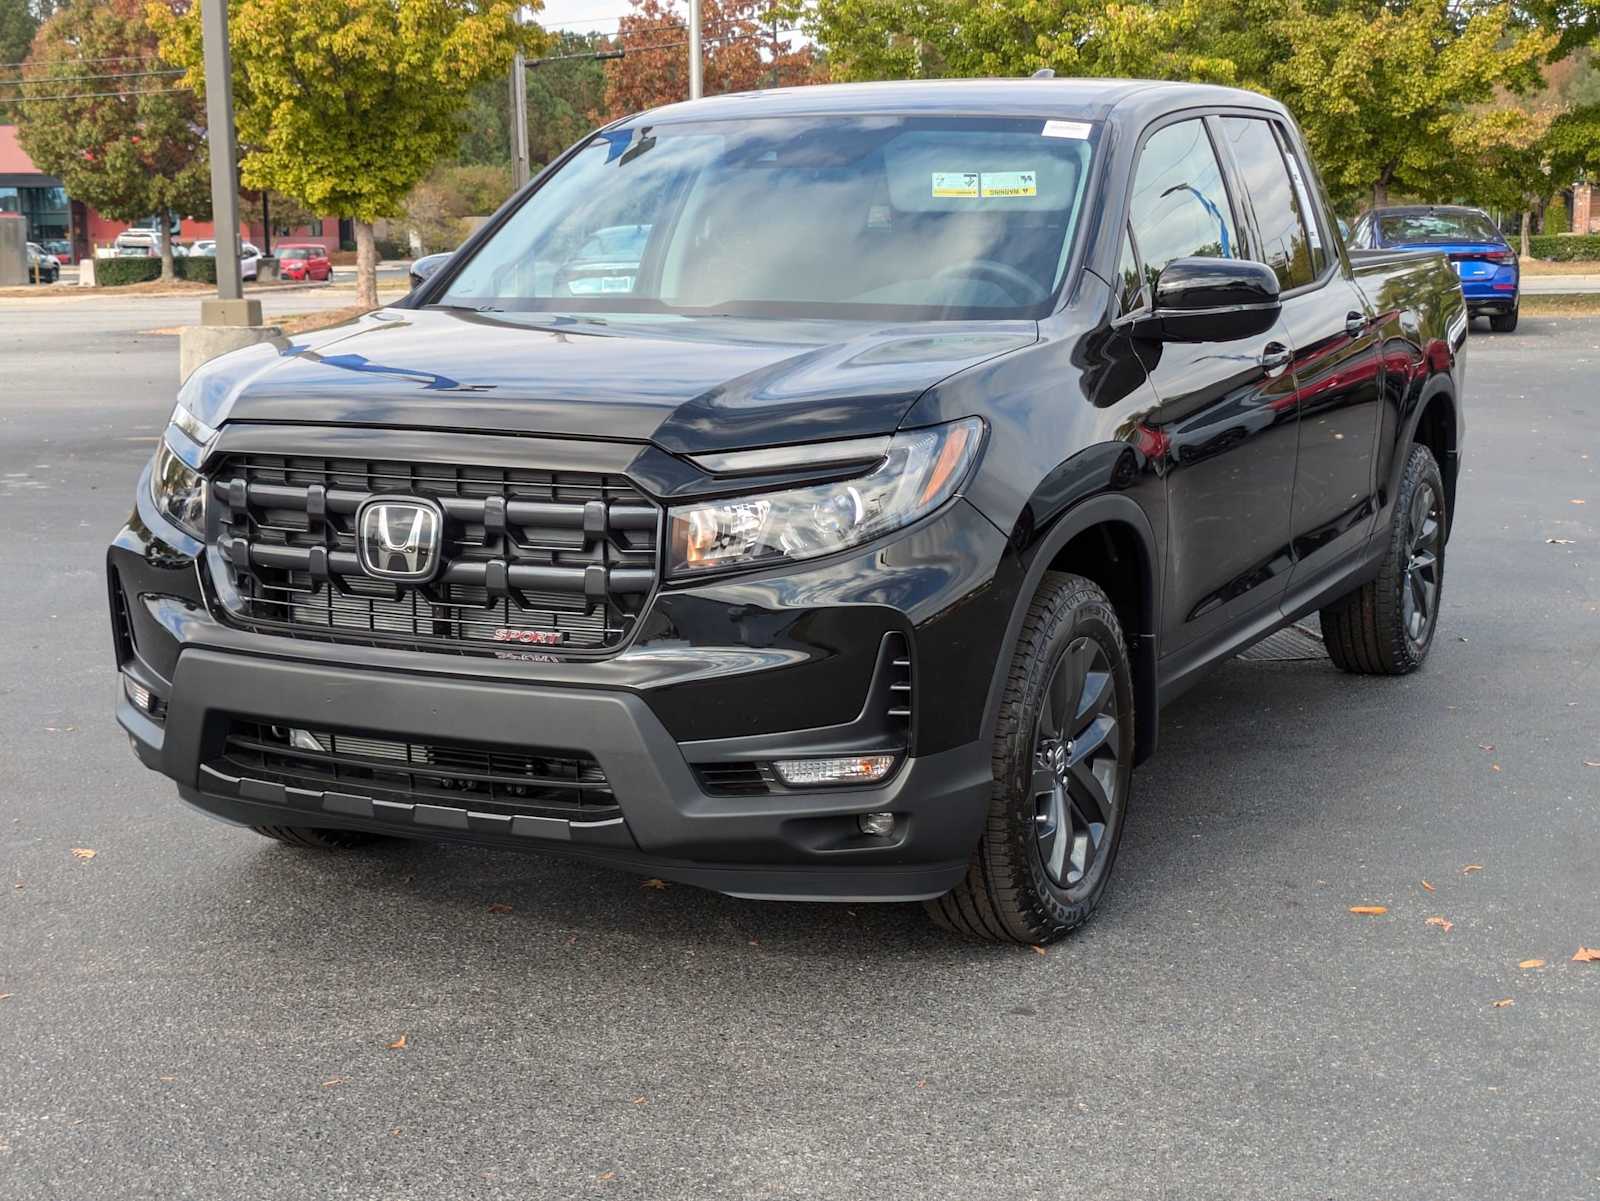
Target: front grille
560	560
475	776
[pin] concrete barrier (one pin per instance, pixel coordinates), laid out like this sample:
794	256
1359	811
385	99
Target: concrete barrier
199	343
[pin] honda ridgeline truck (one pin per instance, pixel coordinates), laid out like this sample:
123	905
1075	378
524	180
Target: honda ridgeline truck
811	494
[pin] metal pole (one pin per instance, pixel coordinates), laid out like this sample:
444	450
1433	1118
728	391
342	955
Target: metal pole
695	82
519	120
224	154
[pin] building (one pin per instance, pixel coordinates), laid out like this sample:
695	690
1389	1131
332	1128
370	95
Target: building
53	216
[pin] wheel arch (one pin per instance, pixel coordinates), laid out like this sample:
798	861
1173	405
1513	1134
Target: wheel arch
1106	538
1436	424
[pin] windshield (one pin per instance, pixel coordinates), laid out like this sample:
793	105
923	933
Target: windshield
1407	229
294	252
894	217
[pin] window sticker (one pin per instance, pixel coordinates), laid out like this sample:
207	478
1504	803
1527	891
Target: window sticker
1078	130
1010	183
955	183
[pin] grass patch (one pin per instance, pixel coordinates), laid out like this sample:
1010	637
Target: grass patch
1574	267
1575	305
305	323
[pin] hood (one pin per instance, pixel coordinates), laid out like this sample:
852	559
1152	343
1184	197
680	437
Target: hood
687	384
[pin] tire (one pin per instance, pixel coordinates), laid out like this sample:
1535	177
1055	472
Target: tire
1505	323
312	838
1051	775
1375	630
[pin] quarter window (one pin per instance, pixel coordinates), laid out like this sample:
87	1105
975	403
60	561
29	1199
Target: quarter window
1285	242
1130	284
1180	204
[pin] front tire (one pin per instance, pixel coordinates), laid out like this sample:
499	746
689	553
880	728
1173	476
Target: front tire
1386	626
312	838
1063	766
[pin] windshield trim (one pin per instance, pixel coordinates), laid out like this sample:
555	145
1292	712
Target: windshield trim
1074	250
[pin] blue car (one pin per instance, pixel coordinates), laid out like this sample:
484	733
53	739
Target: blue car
1490	277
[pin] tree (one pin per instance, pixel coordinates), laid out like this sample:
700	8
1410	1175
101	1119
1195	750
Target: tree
1384	93
132	151
438	206
17	27
566	96
655	69
346	104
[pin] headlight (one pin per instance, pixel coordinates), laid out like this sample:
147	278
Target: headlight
922	469
179	491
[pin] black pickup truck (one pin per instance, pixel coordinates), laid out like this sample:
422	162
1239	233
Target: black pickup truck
810	494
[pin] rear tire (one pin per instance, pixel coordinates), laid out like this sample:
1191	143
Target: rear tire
1063	766
1505	323
312	838
1386	626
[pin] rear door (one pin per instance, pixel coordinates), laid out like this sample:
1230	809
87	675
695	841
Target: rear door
1225	418
1331	325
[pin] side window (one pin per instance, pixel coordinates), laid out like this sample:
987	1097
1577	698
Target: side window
1285	241
1180	204
1130	284
1314	219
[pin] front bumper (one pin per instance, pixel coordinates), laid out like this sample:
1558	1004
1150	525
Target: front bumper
775	665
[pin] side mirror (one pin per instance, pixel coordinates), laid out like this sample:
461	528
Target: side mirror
1211	300
426	266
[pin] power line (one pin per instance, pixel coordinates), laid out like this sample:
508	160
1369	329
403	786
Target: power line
113	58
622	51
99	95
21	79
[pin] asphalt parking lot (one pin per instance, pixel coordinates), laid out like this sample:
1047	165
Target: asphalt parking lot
198	1013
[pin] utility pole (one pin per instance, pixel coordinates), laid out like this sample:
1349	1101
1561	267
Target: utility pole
519	120
230	307
695	87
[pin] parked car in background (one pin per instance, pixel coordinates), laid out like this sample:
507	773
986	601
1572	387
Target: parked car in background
249	256
1479	252
941	433
43	267
62	249
303	260
136	244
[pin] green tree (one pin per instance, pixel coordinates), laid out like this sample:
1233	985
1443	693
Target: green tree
346	104
132	152
17	27
438	207
566	95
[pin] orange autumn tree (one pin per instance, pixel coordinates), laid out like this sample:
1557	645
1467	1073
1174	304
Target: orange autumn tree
741	52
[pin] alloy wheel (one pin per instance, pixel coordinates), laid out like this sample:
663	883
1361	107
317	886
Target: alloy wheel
1075	782
1419	589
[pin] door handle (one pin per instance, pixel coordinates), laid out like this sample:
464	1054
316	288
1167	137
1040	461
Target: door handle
1275	355
1355	324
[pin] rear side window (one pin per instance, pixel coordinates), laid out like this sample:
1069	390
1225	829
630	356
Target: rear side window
1180	204
1285	238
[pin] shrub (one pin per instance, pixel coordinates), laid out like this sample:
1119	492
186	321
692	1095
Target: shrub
198	268
1555	216
114	273
1565	248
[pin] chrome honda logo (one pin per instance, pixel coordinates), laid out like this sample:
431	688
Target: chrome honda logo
399	538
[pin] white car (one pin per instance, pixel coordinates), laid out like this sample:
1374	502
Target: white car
249	256
42	265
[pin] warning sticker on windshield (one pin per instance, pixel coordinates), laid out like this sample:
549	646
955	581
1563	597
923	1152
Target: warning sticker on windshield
1078	130
1010	183
955	183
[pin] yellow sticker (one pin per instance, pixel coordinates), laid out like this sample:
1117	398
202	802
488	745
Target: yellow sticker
1010	183
955	183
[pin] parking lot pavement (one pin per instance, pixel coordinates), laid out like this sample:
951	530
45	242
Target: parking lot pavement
198	1013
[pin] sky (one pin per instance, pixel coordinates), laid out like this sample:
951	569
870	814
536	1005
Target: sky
598	16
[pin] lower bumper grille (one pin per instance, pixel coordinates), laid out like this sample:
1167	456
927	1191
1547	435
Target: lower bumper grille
472	776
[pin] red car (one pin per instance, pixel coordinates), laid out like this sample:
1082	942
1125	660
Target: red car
303	260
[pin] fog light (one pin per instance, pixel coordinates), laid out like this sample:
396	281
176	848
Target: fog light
850	769
137	693
878	825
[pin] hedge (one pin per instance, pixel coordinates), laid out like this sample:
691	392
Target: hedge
114	273
1564	248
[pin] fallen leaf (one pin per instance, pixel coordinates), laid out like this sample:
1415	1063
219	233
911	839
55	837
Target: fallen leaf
1578	502
332	1082
1528	964
1470	868
641	1100
166	1079
654	883
1486	746
922	1084
1373	910
1443	923
606	1176
82	853
395	1132
1586	955
499	907
399	1044
1586	763
1038	950
6	996
1494	767
1428	886
1501	1004
1560	541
